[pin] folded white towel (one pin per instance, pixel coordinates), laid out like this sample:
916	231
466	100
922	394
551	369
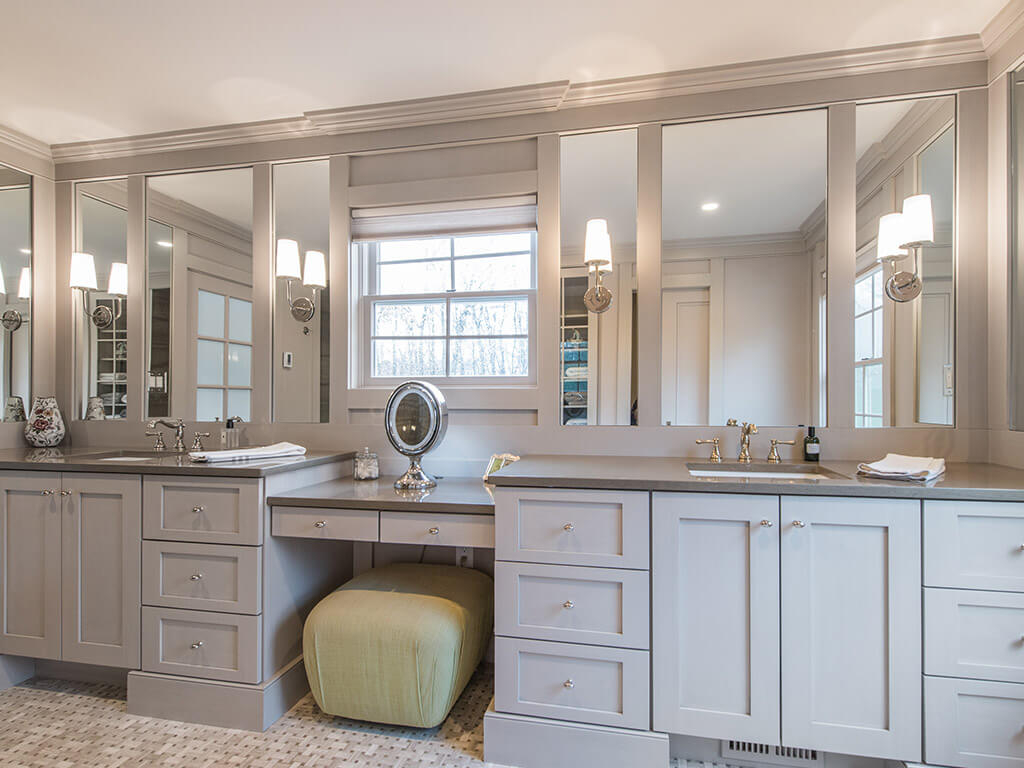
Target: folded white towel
275	451
898	467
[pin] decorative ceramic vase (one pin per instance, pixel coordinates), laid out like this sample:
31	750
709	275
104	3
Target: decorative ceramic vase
94	409
45	426
14	409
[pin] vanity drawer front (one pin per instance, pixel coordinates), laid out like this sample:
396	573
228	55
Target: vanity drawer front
314	523
974	545
209	510
600	606
220	646
206	577
580	683
437	529
570	527
974	634
973	723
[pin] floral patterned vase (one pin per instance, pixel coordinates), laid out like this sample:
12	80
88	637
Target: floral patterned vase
45	427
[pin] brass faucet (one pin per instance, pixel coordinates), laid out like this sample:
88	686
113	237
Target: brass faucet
746	430
179	433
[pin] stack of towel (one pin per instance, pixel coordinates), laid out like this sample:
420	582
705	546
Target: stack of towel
275	451
898	467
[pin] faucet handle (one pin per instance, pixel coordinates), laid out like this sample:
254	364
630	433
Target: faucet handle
159	445
732	423
716	455
773	454
197	443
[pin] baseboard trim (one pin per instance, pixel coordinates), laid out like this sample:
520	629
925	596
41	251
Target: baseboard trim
81	673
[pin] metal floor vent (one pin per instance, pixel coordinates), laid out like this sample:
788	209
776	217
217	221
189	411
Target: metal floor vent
768	753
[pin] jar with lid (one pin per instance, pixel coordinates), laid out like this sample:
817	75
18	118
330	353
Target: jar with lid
367	467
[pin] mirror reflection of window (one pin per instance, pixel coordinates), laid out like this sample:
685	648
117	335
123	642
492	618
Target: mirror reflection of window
200	253
743	270
15	292
302	353
903	352
597	366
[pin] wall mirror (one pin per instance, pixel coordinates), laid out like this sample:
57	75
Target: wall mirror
903	351
15	292
200	345
1016	254
302	340
597	356
744	270
99	281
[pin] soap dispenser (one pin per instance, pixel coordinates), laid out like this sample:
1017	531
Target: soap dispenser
812	446
229	436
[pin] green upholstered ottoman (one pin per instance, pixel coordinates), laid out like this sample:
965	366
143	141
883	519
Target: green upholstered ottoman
398	644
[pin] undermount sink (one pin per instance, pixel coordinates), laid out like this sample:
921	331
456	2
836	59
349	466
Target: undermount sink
758	471
129	456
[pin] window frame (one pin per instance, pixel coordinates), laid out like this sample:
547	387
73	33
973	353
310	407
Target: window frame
877	313
366	264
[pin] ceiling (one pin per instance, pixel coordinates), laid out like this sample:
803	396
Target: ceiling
87	71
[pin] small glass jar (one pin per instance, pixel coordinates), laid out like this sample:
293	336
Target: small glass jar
366	465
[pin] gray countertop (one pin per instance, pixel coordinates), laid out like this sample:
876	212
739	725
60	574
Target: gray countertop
985	482
143	461
453	494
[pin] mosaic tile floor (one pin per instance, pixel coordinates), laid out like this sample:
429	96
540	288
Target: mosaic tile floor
58	724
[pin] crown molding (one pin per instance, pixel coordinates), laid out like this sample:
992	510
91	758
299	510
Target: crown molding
916	118
1003	26
34	147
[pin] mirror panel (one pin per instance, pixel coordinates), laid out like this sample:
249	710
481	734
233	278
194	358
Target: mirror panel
16	290
101	318
598	351
1016	256
743	270
302	347
200	342
903	353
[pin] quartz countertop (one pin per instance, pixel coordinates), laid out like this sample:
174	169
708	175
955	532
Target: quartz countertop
966	481
452	494
144	461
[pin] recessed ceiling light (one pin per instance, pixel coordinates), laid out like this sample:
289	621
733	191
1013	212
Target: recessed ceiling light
709	207
165	244
26	251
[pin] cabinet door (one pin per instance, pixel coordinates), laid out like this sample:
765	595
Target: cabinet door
715	610
30	568
851	626
102	545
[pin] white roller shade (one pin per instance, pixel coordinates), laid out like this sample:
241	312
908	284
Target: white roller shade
506	214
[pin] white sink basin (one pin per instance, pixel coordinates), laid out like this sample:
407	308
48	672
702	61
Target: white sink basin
126	458
741	474
758	471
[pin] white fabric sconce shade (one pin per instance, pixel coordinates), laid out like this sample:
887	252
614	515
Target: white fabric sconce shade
597	247
83	271
890	237
316	269
118	285
918	227
288	259
3	284
25	284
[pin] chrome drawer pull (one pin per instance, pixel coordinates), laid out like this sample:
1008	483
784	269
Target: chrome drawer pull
198	508
320	524
568	604
767	523
569	527
196	577
799	523
197	645
50	492
434	531
569	684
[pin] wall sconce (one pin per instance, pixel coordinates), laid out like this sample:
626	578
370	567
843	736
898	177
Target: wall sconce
597	255
898	234
83	277
12	319
302	308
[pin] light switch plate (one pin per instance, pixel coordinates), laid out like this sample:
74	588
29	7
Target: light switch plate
287	359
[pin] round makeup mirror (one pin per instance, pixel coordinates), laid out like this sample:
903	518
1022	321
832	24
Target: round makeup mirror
416	419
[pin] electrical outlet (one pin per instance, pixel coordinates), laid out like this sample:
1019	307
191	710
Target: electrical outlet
464	557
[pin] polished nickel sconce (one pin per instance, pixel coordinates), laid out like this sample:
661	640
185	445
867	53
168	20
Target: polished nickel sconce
302	308
597	255
900	233
83	278
12	319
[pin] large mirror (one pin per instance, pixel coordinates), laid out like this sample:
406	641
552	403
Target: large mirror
744	270
597	355
1016	270
200	345
302	340
99	277
903	350
15	292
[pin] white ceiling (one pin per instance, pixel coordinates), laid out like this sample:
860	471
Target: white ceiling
85	71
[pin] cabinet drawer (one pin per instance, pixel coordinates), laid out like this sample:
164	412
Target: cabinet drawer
569	527
973	723
580	683
313	523
601	606
441	530
221	646
974	634
207	577
209	510
974	545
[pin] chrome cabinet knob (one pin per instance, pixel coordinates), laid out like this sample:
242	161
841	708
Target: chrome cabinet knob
767	523
568	604
569	683
196	577
50	492
197	645
434	530
320	524
799	523
66	492
198	508
569	527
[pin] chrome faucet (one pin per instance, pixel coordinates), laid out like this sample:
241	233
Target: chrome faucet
746	430
179	433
